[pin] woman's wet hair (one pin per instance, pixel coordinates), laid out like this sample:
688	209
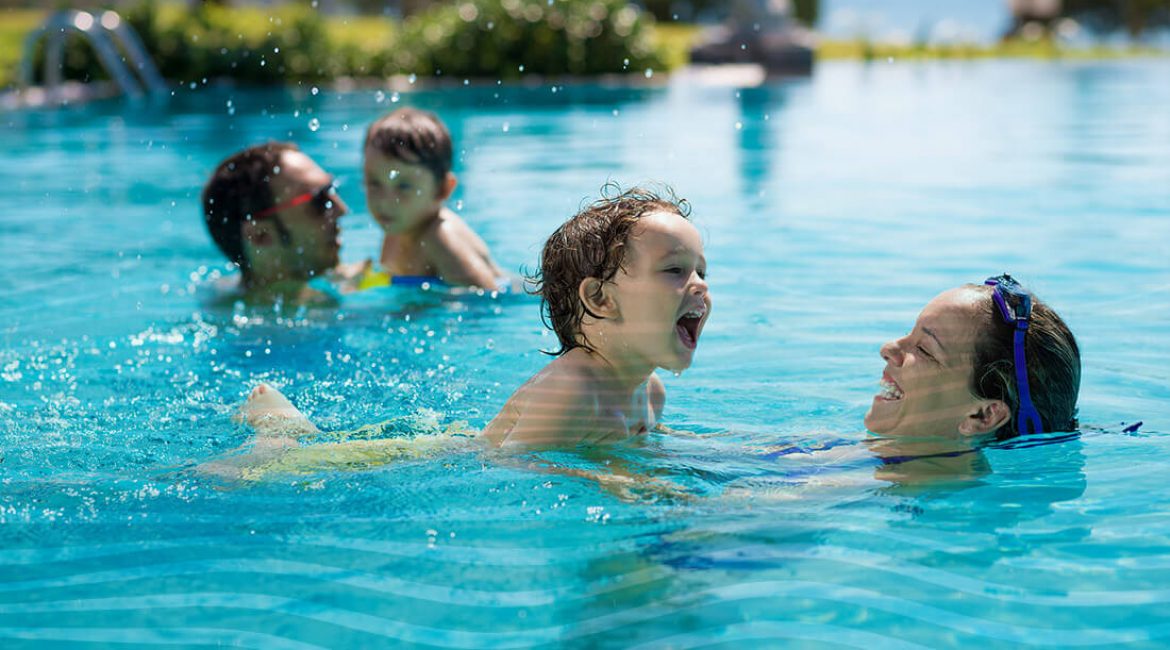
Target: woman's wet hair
239	187
413	136
592	244
1051	355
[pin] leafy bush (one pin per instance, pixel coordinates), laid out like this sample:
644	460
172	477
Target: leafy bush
509	38
252	45
475	38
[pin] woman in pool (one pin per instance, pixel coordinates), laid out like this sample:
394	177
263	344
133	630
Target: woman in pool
983	363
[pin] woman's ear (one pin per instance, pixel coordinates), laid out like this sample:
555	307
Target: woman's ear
988	416
596	298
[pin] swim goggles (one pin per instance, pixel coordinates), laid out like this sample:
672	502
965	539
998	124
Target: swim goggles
319	196
1028	419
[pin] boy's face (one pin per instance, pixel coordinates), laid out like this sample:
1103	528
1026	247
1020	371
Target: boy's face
661	294
401	196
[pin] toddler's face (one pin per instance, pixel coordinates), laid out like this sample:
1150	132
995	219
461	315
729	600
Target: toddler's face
401	195
662	292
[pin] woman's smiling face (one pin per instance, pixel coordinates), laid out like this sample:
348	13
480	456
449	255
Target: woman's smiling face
926	385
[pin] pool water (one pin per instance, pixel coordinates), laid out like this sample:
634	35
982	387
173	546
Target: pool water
832	208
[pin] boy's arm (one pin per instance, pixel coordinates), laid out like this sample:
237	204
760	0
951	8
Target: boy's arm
458	260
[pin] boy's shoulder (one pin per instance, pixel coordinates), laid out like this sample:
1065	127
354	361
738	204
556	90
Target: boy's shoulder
449	226
575	371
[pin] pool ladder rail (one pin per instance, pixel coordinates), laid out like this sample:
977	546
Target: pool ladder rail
117	45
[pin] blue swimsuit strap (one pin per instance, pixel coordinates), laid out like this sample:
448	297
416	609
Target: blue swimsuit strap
414	280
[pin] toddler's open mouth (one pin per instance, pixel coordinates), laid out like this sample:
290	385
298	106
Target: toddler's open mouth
688	325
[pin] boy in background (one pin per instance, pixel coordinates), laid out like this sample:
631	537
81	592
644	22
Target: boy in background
407	170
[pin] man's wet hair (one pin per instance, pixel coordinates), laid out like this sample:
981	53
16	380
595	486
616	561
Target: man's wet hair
1052	357
413	136
592	244
238	188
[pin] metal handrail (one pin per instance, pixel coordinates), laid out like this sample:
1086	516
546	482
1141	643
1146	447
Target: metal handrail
105	34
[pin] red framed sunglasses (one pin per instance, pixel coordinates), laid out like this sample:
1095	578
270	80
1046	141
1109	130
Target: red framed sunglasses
319	197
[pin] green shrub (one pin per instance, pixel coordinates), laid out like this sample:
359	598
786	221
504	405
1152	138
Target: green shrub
499	39
252	45
505	39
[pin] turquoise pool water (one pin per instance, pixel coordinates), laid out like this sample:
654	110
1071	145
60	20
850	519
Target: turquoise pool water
833	208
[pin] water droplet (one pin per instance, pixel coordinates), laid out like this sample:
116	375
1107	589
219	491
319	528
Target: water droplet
521	68
314	90
393	174
380	96
412	78
459	204
506	127
739	126
649	73
314	124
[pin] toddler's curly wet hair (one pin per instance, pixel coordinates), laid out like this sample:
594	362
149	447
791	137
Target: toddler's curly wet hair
592	244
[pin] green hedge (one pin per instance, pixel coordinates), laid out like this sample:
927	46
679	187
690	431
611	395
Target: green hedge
498	39
509	38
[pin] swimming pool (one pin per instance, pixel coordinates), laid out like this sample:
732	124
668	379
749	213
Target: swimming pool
833	208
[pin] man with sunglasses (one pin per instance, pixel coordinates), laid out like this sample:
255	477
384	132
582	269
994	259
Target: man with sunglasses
274	213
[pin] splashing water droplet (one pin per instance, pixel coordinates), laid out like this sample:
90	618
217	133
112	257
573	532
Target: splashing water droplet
380	96
649	73
739	126
506	127
459	204
393	174
412	78
314	124
394	98
314	90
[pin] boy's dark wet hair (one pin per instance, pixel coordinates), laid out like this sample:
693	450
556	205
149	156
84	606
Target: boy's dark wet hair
1051	356
413	136
591	244
239	187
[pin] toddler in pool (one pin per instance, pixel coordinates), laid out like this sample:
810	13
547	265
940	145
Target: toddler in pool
623	285
407	171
